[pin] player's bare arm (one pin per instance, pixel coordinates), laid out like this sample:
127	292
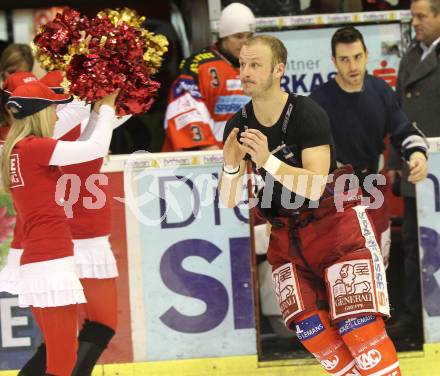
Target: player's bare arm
231	181
308	181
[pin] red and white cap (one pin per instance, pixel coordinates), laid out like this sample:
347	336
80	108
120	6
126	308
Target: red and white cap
32	97
53	81
15	80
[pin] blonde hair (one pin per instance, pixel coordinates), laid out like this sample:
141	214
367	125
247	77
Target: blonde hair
279	51
39	124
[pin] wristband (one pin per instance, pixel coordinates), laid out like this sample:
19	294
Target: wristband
231	170
230	173
272	165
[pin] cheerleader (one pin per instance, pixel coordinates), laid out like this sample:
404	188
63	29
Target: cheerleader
94	260
9	273
72	113
48	280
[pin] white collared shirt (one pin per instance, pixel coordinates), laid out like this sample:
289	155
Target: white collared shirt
427	50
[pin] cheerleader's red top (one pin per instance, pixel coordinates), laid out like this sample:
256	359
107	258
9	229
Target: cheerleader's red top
88	221
46	233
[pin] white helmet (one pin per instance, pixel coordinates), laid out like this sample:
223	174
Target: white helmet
236	18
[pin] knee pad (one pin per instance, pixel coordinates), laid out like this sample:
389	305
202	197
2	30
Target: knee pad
370	346
324	342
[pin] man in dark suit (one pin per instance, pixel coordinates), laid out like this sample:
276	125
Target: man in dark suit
418	91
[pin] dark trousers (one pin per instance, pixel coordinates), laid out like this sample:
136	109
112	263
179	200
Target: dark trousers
412	293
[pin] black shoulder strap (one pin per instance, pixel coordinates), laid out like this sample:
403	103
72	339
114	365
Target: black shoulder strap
290	109
244	118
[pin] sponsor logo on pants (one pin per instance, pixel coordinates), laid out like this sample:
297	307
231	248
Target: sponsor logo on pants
379	277
286	289
351	287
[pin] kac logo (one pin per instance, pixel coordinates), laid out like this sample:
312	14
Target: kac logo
368	360
330	364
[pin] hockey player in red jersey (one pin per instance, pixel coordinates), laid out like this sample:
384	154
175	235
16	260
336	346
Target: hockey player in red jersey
208	90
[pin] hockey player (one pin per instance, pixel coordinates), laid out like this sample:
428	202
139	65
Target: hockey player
327	267
208	90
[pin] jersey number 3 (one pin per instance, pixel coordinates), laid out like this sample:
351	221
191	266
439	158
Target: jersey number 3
215	81
197	133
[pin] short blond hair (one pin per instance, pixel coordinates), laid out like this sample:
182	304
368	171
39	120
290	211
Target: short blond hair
279	51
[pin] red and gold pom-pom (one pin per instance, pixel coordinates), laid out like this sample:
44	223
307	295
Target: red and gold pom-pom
108	52
125	16
53	41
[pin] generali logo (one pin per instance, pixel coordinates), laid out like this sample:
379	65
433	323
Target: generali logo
284	288
352	290
369	360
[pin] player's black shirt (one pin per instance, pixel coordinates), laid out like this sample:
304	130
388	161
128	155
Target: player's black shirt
307	126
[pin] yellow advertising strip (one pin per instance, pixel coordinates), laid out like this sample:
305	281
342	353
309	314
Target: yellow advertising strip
420	363
416	363
281	22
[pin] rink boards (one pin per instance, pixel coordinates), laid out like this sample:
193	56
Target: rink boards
185	287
